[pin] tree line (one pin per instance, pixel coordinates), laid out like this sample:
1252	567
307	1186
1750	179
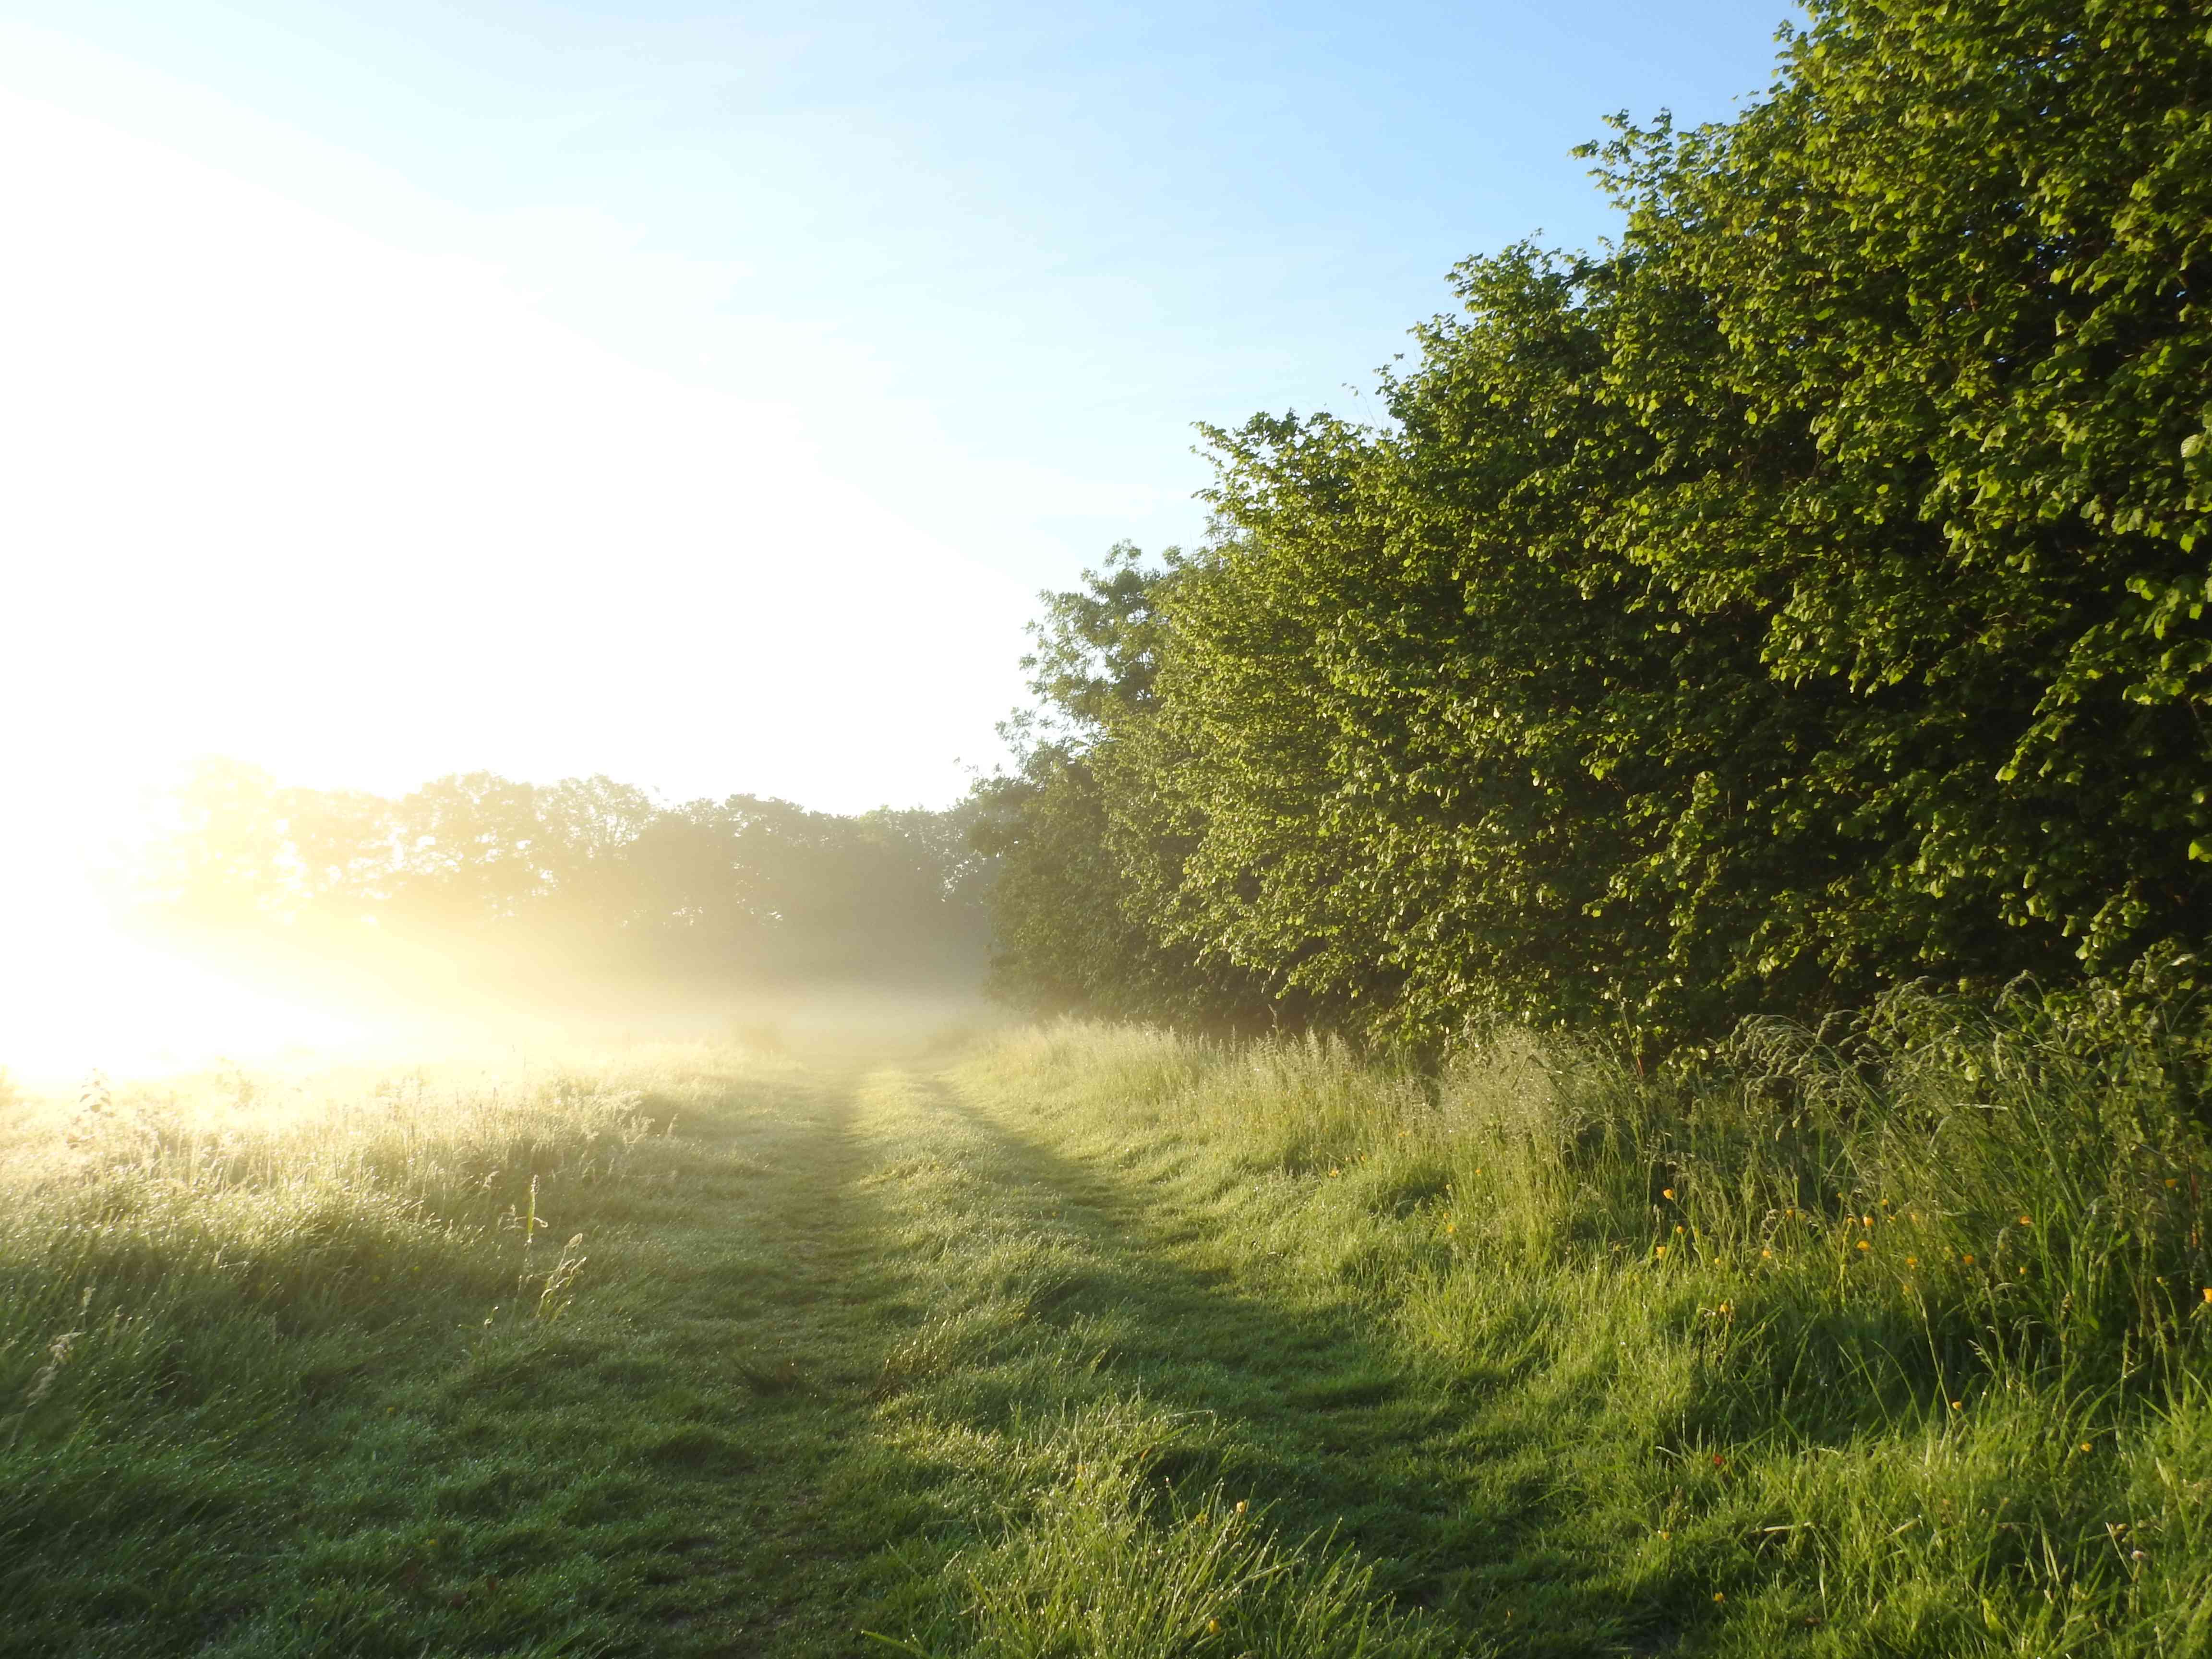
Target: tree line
1803	594
586	876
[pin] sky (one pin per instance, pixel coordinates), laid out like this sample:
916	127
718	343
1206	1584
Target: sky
696	394
700	394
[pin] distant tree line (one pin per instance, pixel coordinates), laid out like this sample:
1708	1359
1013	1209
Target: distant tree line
585	876
1806	593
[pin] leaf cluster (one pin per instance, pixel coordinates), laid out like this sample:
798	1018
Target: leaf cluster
1803	596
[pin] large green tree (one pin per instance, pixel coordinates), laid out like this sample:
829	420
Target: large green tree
1804	594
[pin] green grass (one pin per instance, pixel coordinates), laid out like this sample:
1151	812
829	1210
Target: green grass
1106	1342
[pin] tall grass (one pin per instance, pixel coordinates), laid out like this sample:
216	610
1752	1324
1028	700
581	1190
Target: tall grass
164	1249
1902	1327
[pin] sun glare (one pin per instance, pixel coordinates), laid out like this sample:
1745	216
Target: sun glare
81	995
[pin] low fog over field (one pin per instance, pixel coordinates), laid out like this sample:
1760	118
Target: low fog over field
247	922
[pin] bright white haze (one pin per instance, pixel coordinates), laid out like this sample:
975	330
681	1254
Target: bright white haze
697	396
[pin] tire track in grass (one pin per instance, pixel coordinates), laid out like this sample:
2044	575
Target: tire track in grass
1054	1308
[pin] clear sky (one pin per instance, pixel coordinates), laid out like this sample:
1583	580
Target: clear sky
696	393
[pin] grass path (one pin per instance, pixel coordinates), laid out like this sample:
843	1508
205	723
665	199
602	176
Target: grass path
1064	1291
849	1356
1082	1344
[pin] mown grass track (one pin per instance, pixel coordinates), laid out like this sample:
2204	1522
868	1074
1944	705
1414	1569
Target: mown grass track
835	1336
1092	1343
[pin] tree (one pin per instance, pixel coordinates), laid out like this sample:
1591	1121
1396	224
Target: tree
1803	595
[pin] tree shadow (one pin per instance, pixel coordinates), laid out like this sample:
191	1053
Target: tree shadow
1315	1415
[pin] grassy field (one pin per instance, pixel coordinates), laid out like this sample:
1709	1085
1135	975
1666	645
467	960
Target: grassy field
1095	1341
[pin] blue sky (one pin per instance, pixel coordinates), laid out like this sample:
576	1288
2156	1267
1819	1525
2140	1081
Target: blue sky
695	393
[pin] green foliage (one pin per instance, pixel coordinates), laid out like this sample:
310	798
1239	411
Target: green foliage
1079	868
1803	596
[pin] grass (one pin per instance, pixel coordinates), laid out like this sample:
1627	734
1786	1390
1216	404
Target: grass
1097	1341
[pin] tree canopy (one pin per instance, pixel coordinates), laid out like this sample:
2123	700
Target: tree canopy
1802	595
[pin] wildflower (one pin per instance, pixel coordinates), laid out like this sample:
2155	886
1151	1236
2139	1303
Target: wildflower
1661	1250
1912	1261
2025	1222
1719	1463
1451	1227
1719	1596
2171	1182
2208	1295
1239	1506
1678	1230
1866	1221
2085	1445
1968	1259
1335	1172
1864	1245
1768	1255
1958	1406
1667	1191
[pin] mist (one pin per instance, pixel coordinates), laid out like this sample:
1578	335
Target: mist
247	922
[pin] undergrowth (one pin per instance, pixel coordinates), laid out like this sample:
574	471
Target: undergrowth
1893	1341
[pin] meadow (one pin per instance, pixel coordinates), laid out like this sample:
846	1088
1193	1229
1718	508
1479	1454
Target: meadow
1085	1339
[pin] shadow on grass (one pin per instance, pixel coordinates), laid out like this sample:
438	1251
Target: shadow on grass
1314	1414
